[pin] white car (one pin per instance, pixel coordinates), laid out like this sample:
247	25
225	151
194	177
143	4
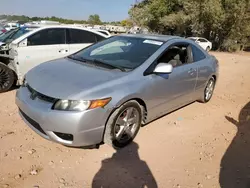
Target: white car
41	45
105	32
204	43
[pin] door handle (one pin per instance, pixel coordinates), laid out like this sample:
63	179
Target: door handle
191	71
63	51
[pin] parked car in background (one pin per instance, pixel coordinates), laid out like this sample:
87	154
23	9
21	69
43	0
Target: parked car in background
105	92
2	29
204	43
40	45
10	26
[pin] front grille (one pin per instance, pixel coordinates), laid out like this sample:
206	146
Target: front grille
32	122
41	96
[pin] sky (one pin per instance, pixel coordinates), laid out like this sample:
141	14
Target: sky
108	10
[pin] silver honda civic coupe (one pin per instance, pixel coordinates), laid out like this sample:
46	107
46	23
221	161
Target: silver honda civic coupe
107	91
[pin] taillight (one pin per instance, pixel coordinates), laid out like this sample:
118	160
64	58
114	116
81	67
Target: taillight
3	30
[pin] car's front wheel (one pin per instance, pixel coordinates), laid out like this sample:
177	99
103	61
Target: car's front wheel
123	125
7	78
208	49
209	90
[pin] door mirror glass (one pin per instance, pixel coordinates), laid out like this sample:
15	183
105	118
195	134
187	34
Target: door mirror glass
23	43
163	68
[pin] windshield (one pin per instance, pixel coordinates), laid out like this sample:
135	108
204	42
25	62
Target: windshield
193	39
120	51
6	35
13	34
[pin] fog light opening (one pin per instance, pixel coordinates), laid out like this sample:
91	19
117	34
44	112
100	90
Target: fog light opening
64	136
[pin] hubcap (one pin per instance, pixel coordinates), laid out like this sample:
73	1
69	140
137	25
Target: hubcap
209	90
126	124
4	78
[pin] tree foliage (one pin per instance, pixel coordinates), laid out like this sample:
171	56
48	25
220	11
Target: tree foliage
94	19
23	18
225	22
127	23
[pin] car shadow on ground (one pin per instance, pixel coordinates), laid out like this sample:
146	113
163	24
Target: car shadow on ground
14	87
124	169
235	164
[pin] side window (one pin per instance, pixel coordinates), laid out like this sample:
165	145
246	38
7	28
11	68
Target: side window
99	38
78	36
202	40
47	37
177	55
198	55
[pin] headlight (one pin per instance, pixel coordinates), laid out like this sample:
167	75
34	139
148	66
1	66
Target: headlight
81	105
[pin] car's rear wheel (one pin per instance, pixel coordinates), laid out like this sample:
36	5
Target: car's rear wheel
7	78
123	125
209	90
208	49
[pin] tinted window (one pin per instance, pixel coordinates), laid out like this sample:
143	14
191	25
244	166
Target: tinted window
198	55
78	36
47	37
103	32
126	52
99	38
202	40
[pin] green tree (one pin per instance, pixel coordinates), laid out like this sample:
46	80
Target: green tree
127	23
225	22
94	19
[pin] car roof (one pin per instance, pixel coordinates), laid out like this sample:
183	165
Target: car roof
163	38
42	27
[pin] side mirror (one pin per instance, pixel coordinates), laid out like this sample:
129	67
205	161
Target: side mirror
163	68
23	43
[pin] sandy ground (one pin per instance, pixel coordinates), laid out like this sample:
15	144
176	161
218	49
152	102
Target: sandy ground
201	145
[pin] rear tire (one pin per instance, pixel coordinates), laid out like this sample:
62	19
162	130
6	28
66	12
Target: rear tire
111	135
7	78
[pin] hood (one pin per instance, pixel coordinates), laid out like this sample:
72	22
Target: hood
66	78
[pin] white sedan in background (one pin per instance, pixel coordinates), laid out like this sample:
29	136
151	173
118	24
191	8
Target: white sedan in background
40	45
204	43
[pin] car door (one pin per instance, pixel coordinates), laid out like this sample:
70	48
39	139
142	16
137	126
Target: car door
79	39
44	45
176	89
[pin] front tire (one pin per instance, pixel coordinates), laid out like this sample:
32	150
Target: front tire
208	91
123	125
7	78
208	49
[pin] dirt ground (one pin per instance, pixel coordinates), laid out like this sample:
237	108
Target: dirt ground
201	145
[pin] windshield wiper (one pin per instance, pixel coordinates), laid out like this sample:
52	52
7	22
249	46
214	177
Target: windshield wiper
96	62
102	63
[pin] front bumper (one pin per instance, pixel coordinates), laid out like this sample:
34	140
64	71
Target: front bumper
74	129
